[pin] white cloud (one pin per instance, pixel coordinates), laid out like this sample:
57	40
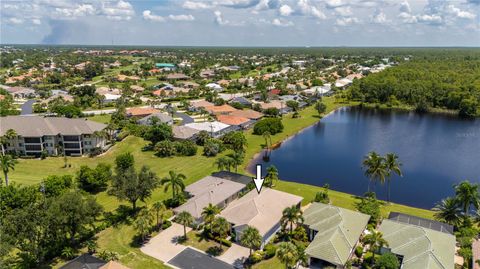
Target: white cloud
149	16
181	17
451	9
346	21
282	23
306	8
285	10
15	21
379	17
430	19
343	11
238	3
407	17
219	18
334	3
73	12
196	5
122	10
36	21
405	7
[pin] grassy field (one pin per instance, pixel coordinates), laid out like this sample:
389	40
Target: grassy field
102	118
119	239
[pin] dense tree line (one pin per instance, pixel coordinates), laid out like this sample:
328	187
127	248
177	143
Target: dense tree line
451	83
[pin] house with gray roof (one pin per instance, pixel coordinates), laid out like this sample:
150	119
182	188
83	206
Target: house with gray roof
53	135
209	190
159	116
184	133
418	246
334	233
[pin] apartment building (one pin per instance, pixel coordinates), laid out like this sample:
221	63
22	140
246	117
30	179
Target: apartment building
37	134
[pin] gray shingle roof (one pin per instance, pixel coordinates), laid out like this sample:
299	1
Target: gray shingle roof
40	126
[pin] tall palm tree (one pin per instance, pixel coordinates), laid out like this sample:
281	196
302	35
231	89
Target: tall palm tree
291	215
467	195
236	159
447	210
272	175
287	254
159	209
7	162
375	169
251	238
268	139
376	241
174	181
209	213
222	228
185	219
392	165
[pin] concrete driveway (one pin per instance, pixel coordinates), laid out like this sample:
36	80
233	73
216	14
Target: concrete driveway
164	246
235	255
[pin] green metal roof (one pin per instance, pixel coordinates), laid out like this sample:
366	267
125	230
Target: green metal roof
338	230
420	247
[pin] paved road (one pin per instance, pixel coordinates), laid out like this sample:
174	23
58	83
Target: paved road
27	107
185	118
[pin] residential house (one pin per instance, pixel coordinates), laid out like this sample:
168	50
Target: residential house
420	243
199	104
343	83
122	78
207	73
184	133
113	265
214	128
177	76
209	190
214	86
334	233
21	92
247	113
50	134
259	210
240	122
220	110
166	66
241	100
159	116
140	112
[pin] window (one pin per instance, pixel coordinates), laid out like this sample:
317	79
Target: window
87	143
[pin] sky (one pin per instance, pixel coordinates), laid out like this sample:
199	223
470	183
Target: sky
241	22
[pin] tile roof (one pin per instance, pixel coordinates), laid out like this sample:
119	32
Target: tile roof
208	190
200	103
162	117
213	126
85	261
247	113
232	120
262	211
420	247
141	111
183	132
220	109
338	231
40	126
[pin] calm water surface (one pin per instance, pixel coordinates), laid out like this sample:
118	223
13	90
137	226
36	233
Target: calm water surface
437	151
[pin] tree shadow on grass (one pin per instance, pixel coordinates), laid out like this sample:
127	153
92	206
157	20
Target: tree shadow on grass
119	216
215	251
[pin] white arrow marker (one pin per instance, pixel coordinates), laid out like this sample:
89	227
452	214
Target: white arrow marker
259	180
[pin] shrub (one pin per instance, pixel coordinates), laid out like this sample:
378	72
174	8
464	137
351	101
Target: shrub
186	148
166	224
93	180
270	250
95	152
370	206
300	234
224	241
272	112
256	257
322	197
387	261
359	251
202	138
165	148
272	125
212	147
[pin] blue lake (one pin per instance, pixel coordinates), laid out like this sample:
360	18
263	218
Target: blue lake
436	150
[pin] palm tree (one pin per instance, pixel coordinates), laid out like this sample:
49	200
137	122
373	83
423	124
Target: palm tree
375	241
143	223
291	215
467	195
447	210
209	213
185	219
375	169
175	181
236	159
221	227
251	238
268	139
7	162
287	254
10	134
272	175
224	163
393	166
159	210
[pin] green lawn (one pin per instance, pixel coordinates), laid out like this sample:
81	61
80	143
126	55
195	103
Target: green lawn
102	118
196	240
273	262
